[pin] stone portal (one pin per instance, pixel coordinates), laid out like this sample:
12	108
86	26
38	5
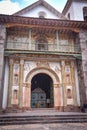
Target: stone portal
42	91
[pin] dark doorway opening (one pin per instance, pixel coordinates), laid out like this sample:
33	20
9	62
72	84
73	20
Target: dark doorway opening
42	91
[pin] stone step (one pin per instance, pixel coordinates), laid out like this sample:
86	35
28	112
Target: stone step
14	120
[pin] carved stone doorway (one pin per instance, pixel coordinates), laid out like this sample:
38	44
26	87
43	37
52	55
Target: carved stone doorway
42	91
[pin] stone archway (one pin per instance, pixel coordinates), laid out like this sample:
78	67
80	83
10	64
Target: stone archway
58	97
42	95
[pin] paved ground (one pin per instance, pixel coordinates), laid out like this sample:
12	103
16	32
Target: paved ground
62	126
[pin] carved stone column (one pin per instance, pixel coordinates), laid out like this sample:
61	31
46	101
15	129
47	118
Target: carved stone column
21	83
10	82
73	82
63	82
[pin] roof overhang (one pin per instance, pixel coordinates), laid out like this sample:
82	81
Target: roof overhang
12	21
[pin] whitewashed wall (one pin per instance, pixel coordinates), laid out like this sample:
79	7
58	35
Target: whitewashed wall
76	10
35	13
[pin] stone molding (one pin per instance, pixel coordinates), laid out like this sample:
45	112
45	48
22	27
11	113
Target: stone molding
47	71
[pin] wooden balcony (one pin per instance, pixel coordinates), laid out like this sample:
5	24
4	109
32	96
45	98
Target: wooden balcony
43	47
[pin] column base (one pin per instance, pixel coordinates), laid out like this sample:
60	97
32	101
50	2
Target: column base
17	109
59	108
72	109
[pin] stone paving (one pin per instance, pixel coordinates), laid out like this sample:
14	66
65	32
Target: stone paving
58	126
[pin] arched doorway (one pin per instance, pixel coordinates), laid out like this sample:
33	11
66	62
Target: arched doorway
57	89
42	91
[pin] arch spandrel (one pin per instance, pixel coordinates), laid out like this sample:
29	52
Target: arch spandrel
47	71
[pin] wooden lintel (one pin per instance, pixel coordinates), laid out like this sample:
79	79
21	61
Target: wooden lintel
40	26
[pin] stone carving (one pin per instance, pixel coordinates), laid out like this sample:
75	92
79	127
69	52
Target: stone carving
42	64
67	69
63	63
16	74
26	67
57	69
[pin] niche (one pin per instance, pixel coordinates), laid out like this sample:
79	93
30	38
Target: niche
69	93
15	79
15	94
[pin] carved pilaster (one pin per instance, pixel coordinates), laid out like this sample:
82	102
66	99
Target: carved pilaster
21	83
57	96
63	82
28	95
73	82
10	82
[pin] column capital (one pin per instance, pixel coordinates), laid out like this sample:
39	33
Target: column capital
21	61
72	63
28	85
63	63
11	61
56	85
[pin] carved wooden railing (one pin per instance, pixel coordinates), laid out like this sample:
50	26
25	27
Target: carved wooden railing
43	47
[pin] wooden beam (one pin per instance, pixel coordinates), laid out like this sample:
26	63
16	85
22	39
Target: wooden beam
9	25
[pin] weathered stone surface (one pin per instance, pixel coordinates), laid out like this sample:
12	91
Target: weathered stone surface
2	42
83	44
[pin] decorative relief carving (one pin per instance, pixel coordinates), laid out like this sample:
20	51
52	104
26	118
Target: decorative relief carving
55	66
11	61
28	66
16	74
57	69
72	63
63	63
42	64
67	69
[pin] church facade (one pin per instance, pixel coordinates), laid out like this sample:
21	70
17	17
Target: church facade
43	60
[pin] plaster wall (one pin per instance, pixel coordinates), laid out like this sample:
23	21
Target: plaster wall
76	10
35	13
71	12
